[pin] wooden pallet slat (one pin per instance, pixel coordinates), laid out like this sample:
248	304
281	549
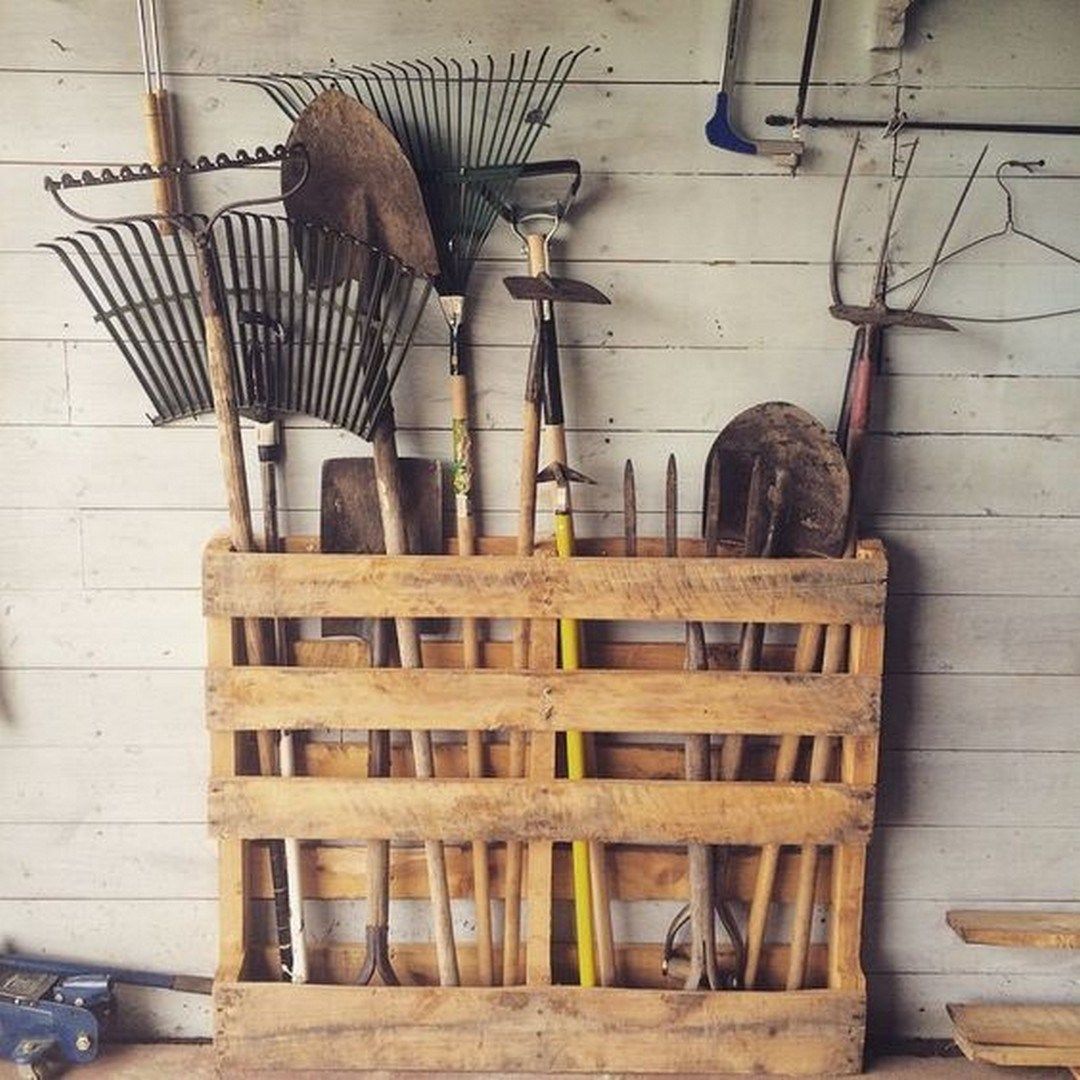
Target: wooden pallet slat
765	703
713	590
1018	1034
612	811
535	1029
1017	929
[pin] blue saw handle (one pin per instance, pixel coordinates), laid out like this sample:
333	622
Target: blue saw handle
721	134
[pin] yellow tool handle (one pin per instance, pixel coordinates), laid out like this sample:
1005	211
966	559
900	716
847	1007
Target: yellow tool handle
570	654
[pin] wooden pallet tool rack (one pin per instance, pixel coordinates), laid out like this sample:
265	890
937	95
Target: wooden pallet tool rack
637	804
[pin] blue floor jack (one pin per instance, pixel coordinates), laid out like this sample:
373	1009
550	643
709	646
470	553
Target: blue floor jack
54	1012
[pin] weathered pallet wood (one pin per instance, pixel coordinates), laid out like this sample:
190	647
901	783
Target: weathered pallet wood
612	811
639	965
1018	1034
1017	929
760	704
636	872
714	590
555	1028
634	700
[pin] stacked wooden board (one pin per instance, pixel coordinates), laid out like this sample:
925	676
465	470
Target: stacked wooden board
1018	1034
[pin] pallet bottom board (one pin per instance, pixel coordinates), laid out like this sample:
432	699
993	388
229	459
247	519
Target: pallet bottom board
536	1029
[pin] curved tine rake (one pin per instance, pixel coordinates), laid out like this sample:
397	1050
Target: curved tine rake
102	315
158	313
278	88
171	397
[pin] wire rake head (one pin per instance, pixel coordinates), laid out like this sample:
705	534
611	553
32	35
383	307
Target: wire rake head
466	127
319	322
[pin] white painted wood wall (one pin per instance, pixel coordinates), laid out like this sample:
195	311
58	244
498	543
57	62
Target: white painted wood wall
716	267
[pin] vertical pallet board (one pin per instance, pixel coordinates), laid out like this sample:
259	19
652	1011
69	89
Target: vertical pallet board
635	697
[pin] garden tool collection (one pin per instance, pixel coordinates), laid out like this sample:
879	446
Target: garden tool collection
392	178
786	442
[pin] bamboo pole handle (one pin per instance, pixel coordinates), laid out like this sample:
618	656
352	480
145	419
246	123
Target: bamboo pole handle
806	660
388	483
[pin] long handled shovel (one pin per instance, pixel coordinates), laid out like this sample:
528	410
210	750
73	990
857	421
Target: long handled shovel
361	181
350	522
783	438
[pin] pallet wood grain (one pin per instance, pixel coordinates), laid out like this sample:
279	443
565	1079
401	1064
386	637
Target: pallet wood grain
636	872
542	1029
713	590
1017	929
612	811
588	700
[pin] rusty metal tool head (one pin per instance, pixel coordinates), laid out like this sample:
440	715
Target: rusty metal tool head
785	440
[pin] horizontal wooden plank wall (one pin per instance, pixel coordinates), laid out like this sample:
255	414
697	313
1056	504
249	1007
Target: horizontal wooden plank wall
715	265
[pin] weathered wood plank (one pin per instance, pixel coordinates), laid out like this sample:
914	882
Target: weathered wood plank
1024	929
607	124
612	811
1011	1034
758	703
637	42
981	475
568	1029
718	590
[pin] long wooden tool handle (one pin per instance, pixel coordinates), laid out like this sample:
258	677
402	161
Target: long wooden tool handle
520	643
833	662
156	106
285	865
388	482
230	448
462	470
806	660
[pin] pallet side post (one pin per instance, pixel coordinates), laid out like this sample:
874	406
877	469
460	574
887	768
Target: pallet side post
233	854
858	767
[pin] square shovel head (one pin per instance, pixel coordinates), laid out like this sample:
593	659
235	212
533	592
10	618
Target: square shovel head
350	522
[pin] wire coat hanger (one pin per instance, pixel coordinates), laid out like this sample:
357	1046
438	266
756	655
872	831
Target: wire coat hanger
1007	228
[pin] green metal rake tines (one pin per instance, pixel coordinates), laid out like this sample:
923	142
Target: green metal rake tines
467	129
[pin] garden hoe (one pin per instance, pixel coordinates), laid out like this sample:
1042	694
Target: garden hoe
535	215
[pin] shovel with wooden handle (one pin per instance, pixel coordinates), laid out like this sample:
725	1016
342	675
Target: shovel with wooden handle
350	523
785	439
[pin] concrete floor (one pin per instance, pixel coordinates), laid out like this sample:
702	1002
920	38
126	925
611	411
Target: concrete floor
196	1063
